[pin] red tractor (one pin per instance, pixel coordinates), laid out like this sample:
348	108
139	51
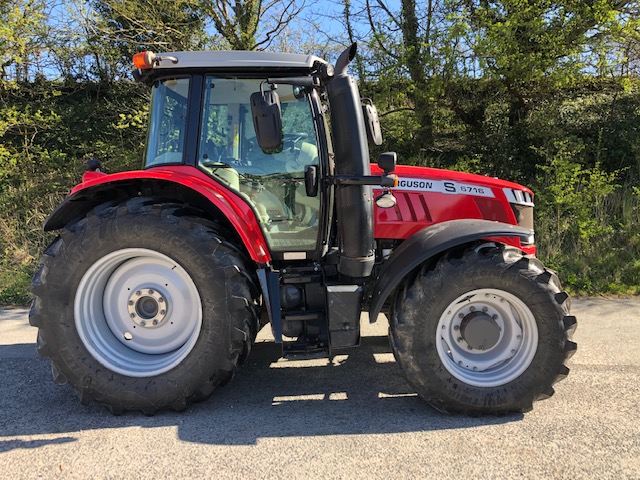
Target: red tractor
258	204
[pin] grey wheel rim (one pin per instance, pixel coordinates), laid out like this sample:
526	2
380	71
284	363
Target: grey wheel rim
138	312
487	337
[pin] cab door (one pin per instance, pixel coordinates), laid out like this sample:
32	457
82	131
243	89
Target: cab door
273	183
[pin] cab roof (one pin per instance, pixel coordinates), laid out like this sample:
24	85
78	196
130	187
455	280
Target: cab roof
236	59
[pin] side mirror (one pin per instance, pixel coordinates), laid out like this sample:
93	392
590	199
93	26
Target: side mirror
371	121
387	161
311	180
267	120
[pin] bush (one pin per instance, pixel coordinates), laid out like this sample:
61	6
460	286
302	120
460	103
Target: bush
579	149
587	224
43	145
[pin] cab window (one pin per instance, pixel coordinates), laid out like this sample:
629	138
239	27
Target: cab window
168	119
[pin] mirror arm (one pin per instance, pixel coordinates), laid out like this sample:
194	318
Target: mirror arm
382	180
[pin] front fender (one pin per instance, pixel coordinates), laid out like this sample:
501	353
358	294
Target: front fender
427	244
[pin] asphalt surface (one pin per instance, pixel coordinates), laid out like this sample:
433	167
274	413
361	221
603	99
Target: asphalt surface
353	418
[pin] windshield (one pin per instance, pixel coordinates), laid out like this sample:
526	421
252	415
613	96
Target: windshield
273	183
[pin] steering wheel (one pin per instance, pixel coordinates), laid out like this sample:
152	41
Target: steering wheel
215	164
295	137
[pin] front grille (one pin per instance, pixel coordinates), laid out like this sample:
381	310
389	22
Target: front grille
524	215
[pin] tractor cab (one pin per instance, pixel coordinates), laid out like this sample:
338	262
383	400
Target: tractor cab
223	144
263	133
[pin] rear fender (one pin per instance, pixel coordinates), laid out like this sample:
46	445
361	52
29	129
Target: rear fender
428	244
189	187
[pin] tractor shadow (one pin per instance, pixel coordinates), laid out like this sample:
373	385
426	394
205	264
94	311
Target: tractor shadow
361	392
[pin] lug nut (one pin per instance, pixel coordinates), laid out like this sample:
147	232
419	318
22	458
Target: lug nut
151	292
162	312
130	302
473	309
459	339
456	327
461	315
495	317
485	309
143	323
155	322
160	300
138	293
133	315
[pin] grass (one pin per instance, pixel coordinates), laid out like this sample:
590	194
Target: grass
14	286
602	261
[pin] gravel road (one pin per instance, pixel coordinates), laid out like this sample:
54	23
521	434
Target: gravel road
352	418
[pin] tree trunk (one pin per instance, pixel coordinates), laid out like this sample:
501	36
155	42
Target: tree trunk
418	60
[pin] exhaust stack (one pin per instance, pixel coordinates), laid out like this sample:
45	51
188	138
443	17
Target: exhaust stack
354	203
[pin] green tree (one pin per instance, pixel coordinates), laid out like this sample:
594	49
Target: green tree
534	46
22	31
117	29
408	37
250	24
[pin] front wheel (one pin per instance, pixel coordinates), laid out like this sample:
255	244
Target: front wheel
485	332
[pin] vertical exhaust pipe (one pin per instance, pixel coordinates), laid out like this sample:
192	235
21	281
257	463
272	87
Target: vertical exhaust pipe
340	68
354	203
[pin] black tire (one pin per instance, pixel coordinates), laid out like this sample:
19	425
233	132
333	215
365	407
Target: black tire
221	324
431	308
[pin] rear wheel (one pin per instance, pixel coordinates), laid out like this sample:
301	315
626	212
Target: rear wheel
141	307
487	332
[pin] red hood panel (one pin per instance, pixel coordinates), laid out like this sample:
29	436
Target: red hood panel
426	196
436	174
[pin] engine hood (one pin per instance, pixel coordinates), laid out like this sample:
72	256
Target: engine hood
406	173
428	196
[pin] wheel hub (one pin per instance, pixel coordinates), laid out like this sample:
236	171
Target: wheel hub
147	308
480	331
478	328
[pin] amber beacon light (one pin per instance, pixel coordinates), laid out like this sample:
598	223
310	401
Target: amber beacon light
144	59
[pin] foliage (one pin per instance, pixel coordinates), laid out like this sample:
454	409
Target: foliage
41	157
545	93
22	31
121	28
238	22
